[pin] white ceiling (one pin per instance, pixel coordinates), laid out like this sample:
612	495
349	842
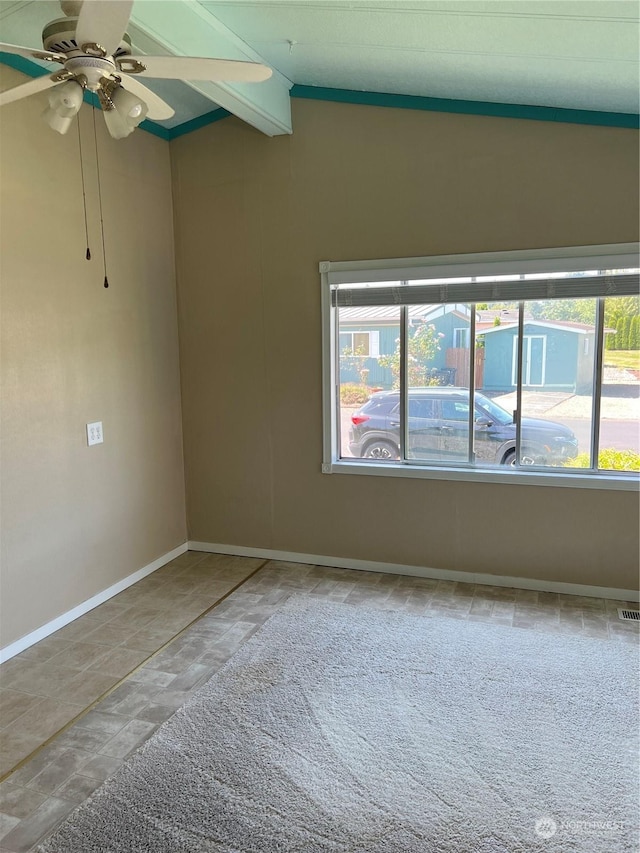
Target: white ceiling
579	55
575	54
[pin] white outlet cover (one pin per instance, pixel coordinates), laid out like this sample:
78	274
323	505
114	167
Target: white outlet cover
94	433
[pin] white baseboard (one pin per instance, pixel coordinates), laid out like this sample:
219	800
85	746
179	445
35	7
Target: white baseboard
59	622
421	572
317	560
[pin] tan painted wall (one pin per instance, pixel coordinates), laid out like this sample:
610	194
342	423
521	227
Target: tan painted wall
254	216
76	519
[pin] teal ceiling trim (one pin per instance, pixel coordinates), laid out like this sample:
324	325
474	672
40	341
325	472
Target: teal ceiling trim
197	122
484	108
155	129
375	99
24	65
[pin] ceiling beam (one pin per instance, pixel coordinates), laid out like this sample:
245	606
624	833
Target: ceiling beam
196	32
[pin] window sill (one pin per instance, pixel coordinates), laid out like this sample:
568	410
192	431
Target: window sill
519	477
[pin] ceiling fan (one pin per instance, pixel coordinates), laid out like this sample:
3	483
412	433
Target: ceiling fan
94	49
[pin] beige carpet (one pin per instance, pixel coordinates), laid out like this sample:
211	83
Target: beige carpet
344	729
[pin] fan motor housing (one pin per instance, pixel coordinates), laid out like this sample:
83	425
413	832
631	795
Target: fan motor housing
59	36
93	69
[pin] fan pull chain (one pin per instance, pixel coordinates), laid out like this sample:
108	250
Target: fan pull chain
104	254
84	194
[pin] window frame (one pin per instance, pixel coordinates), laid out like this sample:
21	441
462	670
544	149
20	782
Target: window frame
605	257
373	342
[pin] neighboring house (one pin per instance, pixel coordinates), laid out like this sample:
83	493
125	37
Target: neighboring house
368	333
557	355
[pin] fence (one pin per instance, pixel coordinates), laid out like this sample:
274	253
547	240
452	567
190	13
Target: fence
458	359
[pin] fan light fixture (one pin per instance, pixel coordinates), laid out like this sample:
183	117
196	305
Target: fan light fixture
92	45
123	113
64	102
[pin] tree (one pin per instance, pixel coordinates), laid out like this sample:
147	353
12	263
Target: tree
620	306
634	334
616	309
626	327
584	311
609	341
570	310
423	344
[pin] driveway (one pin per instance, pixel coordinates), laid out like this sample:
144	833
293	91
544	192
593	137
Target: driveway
619	402
619	411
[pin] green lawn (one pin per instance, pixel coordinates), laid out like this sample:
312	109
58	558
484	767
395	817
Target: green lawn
622	358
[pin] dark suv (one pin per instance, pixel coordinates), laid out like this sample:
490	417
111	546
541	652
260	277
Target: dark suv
438	429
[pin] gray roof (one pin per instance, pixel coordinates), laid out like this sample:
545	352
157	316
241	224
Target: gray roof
390	314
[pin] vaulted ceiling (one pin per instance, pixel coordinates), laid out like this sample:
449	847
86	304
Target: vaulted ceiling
579	54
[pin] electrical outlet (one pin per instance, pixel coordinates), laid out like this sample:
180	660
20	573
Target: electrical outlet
94	433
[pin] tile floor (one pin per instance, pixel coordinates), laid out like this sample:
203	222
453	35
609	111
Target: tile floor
76	705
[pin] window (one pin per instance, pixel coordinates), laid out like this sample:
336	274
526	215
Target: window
354	344
512	367
461	338
422	409
455	411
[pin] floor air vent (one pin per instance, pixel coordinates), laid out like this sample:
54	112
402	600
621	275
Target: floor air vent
629	615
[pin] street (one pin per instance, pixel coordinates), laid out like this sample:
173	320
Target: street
617	434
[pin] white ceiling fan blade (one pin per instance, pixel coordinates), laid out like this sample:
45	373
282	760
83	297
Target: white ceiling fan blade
38	84
194	68
31	52
158	109
103	22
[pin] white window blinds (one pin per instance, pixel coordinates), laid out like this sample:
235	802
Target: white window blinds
408	293
497	277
